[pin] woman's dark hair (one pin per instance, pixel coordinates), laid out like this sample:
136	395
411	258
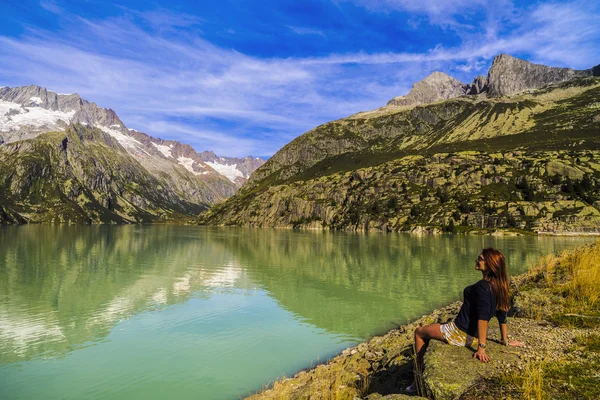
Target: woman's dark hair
496	273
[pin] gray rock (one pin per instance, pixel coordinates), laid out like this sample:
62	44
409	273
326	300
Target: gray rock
450	370
479	85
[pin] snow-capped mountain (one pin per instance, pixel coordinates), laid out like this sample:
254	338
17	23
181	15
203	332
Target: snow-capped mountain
237	170
63	158
27	111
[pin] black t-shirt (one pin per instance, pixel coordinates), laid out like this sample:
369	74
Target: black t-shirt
479	302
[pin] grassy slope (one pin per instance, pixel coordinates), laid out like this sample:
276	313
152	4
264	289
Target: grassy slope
545	120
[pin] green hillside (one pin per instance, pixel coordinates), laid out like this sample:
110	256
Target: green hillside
529	162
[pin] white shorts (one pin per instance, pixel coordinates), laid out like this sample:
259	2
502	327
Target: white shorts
456	337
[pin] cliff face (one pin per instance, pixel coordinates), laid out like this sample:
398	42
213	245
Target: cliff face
307	183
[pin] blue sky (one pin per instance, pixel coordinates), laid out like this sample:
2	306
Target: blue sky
246	77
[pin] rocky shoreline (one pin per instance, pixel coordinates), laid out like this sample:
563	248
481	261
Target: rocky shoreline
559	331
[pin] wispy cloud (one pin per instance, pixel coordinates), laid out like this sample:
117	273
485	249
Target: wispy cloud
50	5
172	83
305	31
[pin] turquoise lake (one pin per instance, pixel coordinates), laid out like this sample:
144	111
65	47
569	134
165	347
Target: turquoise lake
185	312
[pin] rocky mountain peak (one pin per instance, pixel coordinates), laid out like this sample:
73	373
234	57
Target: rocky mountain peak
435	87
479	85
237	170
510	75
507	75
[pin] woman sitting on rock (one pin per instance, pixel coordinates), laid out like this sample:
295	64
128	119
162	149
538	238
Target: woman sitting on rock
482	300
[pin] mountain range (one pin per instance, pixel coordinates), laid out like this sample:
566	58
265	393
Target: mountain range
65	159
517	150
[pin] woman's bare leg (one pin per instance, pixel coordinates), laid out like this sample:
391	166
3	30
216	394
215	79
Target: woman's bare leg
423	335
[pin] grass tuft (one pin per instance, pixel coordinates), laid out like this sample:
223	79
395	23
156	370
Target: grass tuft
533	381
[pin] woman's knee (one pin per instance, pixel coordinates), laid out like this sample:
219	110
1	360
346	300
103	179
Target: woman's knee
421	332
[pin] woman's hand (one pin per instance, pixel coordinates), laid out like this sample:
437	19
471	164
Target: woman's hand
481	356
516	343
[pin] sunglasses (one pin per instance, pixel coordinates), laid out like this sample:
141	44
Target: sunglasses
479	259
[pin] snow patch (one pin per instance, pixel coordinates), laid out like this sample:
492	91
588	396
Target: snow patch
30	116
187	163
166	150
229	171
36	100
125	141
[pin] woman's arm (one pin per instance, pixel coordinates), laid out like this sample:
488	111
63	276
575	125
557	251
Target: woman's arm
503	333
482	326
504	336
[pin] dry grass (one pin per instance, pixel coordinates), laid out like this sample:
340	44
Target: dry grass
533	381
565	285
584	267
418	374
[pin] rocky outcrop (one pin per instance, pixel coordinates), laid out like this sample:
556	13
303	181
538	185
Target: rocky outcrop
451	371
510	75
479	85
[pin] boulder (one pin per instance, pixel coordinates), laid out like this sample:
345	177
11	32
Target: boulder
451	370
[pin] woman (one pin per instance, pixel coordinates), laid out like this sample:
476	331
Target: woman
482	300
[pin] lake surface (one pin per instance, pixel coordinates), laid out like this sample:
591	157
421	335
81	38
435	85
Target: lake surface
149	312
